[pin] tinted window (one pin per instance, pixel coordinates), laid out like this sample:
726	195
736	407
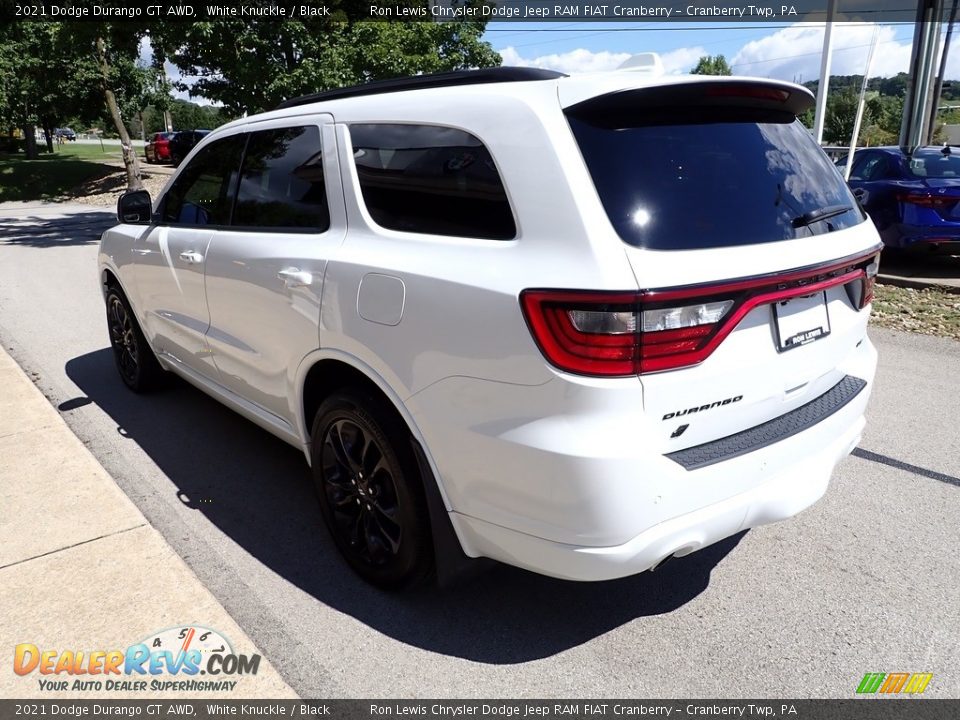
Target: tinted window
281	182
683	181
934	164
870	167
202	193
433	180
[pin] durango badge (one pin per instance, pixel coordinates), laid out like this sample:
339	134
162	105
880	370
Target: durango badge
711	406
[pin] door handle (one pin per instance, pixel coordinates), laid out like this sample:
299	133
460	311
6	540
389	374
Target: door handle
191	257
859	193
295	277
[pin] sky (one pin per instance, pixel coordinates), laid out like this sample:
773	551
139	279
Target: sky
784	51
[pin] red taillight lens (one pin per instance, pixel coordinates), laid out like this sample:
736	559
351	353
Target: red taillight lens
616	334
748	90
586	333
869	280
922	199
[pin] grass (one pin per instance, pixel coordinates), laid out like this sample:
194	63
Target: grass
52	175
88	151
927	312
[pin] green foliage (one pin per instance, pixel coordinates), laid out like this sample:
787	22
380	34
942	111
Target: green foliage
712	65
895	86
45	77
252	65
841	113
50	75
880	124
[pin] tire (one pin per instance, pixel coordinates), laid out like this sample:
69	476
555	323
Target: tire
136	363
371	494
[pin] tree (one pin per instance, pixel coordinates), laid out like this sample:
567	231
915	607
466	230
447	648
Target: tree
55	70
712	65
35	89
250	65
123	85
842	113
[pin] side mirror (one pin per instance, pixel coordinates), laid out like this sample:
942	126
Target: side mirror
135	208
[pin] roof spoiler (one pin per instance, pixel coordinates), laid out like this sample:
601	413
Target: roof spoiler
731	97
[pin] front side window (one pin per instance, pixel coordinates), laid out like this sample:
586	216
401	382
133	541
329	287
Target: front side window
281	181
432	180
202	194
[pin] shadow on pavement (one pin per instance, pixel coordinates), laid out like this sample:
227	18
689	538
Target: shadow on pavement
920	265
44	232
258	491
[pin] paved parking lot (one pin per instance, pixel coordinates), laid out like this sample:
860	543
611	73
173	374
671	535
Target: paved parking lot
868	580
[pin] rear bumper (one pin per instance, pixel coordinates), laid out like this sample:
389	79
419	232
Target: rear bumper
591	500
781	497
935	246
941	239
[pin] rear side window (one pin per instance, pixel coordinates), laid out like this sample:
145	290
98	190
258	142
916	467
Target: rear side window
695	178
202	192
432	180
281	181
934	164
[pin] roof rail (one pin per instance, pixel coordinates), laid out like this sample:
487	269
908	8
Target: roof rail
435	80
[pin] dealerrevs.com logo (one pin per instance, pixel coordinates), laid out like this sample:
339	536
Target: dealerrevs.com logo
168	660
894	683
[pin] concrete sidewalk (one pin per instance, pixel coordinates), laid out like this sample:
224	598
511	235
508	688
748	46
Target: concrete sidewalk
80	567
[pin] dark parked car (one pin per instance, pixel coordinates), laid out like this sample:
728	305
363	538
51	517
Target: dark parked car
183	142
158	149
914	200
65	133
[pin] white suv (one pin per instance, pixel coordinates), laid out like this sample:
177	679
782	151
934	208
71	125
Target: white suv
580	325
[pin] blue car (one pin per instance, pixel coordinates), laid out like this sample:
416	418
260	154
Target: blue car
914	200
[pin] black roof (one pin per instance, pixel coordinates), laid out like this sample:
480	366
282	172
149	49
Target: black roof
435	80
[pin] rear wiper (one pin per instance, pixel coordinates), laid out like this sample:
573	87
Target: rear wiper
808	218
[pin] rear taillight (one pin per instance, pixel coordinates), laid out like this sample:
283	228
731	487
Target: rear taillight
923	199
869	280
586	333
616	334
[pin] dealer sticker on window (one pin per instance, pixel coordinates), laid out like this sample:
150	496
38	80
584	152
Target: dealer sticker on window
801	320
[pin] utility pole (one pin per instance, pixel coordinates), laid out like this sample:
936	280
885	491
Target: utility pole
916	105
861	103
938	85
823	87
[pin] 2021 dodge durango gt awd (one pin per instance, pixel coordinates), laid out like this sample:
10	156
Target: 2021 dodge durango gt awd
579	325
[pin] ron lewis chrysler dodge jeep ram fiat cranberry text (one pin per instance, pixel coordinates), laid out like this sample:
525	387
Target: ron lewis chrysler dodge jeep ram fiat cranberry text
575	324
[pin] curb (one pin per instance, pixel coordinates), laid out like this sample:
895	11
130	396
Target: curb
917	283
81	568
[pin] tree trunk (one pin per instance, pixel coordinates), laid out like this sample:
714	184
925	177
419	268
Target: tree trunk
134	182
30	141
48	135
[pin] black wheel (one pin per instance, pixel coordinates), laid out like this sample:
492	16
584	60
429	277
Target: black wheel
371	493
136	363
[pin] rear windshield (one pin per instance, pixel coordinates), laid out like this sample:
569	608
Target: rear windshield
934	164
677	183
